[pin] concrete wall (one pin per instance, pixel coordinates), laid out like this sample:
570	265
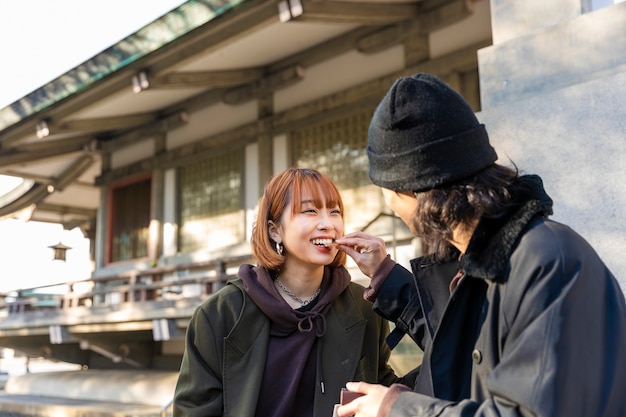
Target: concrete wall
554	102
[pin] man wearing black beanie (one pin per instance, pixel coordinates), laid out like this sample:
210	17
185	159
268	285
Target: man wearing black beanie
516	313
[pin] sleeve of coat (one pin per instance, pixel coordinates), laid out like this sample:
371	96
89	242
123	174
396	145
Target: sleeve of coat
562	334
386	375
397	301
199	388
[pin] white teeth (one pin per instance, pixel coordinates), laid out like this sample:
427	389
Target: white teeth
322	242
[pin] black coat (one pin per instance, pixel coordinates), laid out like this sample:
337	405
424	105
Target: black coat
227	339
537	327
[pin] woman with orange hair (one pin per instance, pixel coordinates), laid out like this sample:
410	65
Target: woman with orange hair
284	338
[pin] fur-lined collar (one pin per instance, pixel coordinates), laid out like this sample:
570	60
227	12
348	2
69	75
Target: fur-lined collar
492	242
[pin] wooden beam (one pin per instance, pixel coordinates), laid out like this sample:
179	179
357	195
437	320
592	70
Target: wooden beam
427	5
200	101
43	179
271	83
76	142
43	150
173	121
96	125
69	210
363	13
106	123
205	78
416	49
73	172
323	51
444	15
383	38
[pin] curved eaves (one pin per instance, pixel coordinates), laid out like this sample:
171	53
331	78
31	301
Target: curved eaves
30	193
33	195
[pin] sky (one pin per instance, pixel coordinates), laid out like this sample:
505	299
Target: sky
39	41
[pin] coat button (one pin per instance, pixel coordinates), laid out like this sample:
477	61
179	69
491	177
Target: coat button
477	357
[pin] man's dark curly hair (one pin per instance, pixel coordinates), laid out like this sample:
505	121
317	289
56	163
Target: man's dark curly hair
489	193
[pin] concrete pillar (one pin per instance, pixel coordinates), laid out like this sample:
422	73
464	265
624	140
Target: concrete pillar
514	18
553	93
536	59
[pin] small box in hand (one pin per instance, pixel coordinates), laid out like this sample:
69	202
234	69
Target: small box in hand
347	396
344	398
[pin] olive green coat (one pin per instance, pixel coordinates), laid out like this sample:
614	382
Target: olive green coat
227	338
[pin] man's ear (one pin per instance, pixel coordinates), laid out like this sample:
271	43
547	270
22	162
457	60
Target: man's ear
273	231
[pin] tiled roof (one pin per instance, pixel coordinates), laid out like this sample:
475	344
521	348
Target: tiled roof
167	28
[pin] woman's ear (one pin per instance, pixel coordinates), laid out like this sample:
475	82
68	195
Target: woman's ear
274	232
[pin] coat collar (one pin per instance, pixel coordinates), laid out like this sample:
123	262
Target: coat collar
494	238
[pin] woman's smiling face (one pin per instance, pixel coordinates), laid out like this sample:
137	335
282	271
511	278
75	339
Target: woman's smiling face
308	231
300	214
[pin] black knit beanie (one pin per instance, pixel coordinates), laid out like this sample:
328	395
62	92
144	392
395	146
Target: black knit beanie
424	135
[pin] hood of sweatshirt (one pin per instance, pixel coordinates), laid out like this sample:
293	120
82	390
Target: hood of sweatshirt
259	284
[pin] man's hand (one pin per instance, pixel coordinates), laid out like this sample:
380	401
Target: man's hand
367	251
368	404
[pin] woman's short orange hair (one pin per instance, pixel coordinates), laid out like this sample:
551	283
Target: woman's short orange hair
277	194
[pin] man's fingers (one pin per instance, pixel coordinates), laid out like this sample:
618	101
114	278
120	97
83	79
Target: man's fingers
360	387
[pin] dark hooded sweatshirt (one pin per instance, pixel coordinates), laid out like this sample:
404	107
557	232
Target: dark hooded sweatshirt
293	355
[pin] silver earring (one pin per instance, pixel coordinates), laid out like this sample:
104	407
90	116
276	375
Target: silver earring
279	248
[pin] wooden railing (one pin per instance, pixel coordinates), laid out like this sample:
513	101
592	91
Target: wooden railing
153	284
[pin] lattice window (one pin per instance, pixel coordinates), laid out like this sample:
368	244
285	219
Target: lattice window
337	149
130	221
210	202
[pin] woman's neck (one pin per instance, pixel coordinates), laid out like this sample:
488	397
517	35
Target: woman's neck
302	283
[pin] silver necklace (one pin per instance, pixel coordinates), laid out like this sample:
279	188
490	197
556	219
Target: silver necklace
295	297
